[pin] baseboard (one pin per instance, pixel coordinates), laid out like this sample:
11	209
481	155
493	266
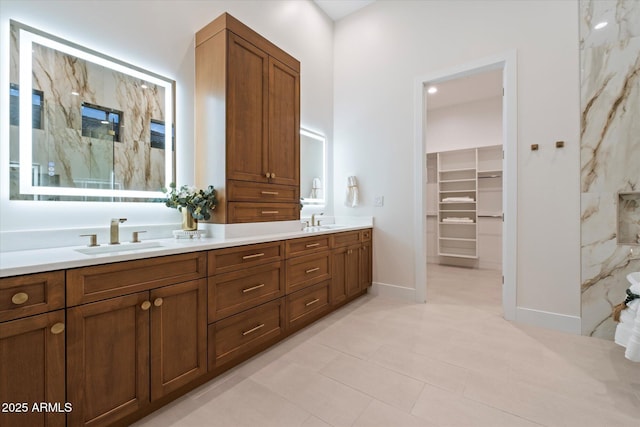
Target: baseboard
545	319
393	291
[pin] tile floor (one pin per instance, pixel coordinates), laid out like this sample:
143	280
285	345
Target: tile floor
451	362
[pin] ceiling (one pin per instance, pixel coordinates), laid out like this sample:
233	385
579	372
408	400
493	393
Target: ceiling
475	87
338	9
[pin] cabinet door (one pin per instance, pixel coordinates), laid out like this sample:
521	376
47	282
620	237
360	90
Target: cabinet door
32	368
247	111
365	265
178	335
108	359
352	270
284	124
338	275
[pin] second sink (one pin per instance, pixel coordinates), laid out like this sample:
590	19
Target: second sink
124	247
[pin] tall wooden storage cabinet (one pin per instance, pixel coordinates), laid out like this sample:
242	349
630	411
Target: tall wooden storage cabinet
247	123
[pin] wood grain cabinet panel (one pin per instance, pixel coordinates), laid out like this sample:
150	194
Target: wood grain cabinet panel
345	239
307	270
108	359
178	336
231	338
307	304
95	283
31	294
252	132
32	369
306	245
230	293
366	264
241	257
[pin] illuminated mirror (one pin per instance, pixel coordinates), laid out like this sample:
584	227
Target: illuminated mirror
312	167
84	126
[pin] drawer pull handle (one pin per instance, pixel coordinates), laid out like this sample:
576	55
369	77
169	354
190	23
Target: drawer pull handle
270	212
311	270
312	245
20	298
57	328
245	333
145	305
272	193
253	288
253	256
158	302
312	302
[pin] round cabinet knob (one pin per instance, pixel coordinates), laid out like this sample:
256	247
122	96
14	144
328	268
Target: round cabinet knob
145	305
20	298
158	302
268	175
273	175
57	328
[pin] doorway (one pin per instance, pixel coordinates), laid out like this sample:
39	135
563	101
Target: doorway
441	175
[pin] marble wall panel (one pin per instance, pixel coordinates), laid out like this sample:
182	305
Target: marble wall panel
610	153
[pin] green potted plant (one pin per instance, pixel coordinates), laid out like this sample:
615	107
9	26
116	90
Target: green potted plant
194	203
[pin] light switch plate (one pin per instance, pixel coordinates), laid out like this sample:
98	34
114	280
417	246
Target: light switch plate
378	201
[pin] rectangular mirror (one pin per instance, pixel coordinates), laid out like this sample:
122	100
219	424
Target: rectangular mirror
312	167
84	126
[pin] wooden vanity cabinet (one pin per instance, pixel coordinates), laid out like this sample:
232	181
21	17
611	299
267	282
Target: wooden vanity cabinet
127	351
250	135
351	264
32	349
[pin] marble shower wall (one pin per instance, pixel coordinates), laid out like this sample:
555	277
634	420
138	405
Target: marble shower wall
610	157
81	161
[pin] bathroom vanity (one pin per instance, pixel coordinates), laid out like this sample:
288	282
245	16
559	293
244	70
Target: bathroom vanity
109	338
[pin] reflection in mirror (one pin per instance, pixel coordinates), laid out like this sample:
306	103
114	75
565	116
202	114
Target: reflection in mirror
312	167
84	126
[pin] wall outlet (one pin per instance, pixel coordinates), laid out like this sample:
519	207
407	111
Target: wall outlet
378	201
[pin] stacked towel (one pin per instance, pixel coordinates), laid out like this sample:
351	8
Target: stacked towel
628	330
352	192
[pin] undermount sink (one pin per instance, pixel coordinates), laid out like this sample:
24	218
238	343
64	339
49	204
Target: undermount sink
123	247
634	278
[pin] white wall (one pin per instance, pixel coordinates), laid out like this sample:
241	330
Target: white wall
382	49
159	35
469	125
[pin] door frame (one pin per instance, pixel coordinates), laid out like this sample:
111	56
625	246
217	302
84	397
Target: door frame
506	61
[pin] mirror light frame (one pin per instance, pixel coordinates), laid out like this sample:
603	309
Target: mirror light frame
323	139
29	36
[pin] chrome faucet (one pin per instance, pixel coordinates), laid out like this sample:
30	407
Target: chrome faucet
115	230
313	219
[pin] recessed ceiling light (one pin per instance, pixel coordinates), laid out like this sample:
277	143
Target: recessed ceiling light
144	86
600	25
74	93
432	90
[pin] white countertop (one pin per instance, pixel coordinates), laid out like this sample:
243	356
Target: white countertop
40	260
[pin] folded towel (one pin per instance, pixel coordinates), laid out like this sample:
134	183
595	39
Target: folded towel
460	220
352	192
458	199
628	330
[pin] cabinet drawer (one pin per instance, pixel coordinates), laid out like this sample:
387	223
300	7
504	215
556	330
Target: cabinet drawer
307	270
230	293
245	191
231	259
236	335
365	235
31	294
345	239
306	245
239	212
306	305
89	284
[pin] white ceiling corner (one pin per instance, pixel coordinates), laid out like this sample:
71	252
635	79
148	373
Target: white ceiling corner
338	9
